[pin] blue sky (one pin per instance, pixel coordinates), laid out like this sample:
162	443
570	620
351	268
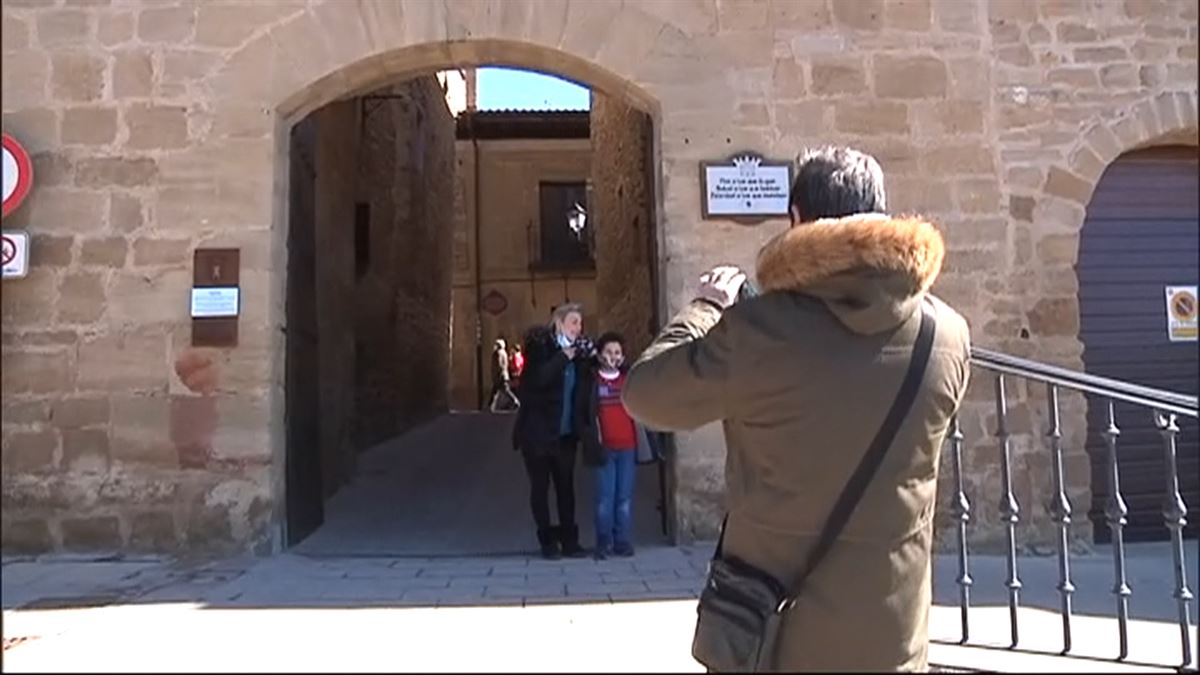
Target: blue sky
503	88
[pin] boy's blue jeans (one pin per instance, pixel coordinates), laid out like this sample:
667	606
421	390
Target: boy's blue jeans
614	499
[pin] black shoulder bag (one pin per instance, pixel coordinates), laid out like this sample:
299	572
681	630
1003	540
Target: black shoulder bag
741	607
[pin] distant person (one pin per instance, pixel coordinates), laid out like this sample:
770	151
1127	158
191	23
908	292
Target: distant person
517	363
557	362
802	378
501	386
611	441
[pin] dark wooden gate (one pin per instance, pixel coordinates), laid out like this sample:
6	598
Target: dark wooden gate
1140	236
305	501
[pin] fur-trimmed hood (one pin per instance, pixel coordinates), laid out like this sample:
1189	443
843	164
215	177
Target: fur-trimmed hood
871	270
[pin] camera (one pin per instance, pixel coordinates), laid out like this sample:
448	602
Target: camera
584	346
747	291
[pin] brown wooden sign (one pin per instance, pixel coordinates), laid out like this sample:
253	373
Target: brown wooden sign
745	188
216	297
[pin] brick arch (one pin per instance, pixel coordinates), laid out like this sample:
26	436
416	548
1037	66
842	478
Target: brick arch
1166	118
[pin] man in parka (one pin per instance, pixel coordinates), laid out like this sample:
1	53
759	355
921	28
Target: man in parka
801	377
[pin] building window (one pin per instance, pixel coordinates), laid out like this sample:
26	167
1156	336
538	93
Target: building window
362	238
565	239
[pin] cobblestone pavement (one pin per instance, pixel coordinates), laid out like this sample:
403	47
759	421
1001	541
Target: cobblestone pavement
295	612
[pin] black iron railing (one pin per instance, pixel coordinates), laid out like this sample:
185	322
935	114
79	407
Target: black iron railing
1164	406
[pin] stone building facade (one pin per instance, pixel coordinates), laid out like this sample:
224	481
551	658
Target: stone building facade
159	127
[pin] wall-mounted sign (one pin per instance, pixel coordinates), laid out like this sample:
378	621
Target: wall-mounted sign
746	188
17	174
15	254
214	302
216	297
494	303
1181	313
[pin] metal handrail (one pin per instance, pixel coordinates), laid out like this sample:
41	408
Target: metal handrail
1159	399
1164	406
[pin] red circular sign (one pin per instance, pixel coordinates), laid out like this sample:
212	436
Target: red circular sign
9	251
17	174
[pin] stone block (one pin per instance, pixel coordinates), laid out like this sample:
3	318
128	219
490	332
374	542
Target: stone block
31	302
131	362
153	531
62	28
175	25
126	172
1055	316
915	15
787	79
76	76
1150	77
1070	31
81	298
149	297
1181	74
181	66
1058	249
153	127
803	16
85	450
971	159
1081	77
1151	51
949	118
1018	55
25	536
1099	54
89	126
1021	208
51	251
193	423
910	77
1119	76
742	14
230	25
141	432
957	17
841	75
53	169
978	195
753	115
859	14
107	252
36	372
77	412
871	118
1146	9
30	89
15	35
115	28
94	534
36	127
30	451
155	251
133	74
1060	183
24	413
807	118
125	213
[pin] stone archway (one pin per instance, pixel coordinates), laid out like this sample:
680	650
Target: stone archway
298	61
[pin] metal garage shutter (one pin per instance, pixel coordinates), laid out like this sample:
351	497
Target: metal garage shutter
1142	233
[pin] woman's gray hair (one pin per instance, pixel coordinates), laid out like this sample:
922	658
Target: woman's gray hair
562	311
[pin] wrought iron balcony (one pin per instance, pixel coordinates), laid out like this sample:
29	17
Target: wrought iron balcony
1163	407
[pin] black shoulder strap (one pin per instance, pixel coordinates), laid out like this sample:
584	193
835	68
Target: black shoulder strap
856	487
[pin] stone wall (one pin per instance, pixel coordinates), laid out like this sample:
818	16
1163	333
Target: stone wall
622	211
155	130
402	302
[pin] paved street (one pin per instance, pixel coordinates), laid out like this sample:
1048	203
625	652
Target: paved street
506	613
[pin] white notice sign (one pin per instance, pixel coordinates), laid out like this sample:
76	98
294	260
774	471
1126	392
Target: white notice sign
746	187
213	302
1181	313
15	254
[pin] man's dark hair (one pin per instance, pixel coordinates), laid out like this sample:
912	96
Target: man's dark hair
607	338
835	182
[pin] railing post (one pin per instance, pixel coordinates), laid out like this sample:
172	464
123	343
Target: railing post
1175	514
1115	512
1010	511
962	511
1060	508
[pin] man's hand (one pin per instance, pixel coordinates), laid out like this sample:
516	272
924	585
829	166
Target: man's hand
721	285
